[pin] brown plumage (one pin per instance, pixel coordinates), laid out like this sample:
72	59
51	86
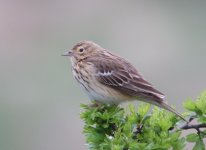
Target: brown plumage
108	78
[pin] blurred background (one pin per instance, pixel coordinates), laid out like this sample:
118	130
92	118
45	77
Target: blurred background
39	99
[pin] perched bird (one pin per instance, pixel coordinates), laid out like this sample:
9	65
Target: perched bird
108	78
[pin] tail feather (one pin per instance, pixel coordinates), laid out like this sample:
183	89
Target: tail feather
161	103
169	108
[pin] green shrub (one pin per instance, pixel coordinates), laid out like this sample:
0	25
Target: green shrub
109	127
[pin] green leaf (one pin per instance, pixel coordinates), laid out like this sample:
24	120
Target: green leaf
145	118
199	145
201	103
117	147
190	105
202	119
193	137
143	109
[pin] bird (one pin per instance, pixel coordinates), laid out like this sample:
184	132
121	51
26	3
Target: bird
110	79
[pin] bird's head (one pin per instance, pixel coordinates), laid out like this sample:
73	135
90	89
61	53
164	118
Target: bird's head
82	50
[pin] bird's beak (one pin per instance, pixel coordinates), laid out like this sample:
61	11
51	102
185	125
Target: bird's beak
68	53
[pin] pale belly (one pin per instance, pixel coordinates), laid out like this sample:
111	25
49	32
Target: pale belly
104	94
97	91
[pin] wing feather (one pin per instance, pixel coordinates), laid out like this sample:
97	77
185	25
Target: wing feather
121	75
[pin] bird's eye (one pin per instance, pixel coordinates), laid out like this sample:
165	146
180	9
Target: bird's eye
81	50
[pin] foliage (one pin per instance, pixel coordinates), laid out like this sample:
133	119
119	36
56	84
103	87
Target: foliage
198	107
112	127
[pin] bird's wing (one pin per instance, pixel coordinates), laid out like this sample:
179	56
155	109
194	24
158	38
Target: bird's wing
121	75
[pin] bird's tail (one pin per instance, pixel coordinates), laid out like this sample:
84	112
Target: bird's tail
169	108
158	100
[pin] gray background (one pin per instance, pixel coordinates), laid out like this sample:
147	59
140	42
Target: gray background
39	99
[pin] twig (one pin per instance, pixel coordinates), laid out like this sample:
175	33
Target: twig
192	126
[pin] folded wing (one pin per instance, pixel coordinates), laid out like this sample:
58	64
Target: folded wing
121	75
